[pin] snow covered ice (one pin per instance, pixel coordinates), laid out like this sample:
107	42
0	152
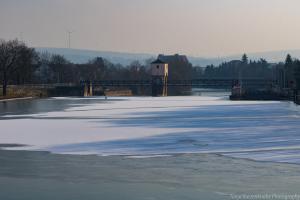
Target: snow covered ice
146	126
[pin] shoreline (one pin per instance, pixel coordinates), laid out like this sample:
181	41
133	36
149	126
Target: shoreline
15	99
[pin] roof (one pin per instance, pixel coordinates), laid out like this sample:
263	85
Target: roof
158	61
173	58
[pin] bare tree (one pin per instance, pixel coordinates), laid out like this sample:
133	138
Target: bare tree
10	54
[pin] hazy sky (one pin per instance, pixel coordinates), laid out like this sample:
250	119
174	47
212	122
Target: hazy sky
193	27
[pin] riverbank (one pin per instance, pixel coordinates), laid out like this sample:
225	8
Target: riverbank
44	91
14	98
22	92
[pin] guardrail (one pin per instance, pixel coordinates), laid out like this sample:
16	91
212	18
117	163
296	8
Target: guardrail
189	83
193	82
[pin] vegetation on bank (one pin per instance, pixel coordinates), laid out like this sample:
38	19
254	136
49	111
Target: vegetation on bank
20	65
15	91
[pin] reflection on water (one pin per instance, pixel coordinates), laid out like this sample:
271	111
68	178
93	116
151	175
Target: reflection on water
35	106
210	92
40	175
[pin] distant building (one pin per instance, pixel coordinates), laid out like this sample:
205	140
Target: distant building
159	68
179	66
173	58
159	72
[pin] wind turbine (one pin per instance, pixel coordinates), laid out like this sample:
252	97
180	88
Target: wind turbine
69	34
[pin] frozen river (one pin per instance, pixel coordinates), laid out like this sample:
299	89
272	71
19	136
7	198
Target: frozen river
146	126
149	148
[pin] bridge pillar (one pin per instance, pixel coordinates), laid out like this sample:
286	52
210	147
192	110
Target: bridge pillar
159	86
91	89
165	87
88	89
85	90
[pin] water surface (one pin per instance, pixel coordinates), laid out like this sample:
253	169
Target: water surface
40	175
155	148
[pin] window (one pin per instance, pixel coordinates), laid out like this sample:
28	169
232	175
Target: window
157	66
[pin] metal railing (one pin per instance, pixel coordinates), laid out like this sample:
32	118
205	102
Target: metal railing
191	83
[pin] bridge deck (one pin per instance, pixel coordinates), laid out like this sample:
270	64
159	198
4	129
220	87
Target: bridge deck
187	83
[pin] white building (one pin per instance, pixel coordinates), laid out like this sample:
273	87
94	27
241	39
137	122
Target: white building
159	72
159	68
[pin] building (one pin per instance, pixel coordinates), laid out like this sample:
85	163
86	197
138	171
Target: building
179	66
173	58
159	68
160	73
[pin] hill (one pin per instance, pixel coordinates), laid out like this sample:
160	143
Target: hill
82	56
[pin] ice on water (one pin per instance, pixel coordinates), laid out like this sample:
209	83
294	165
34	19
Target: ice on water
146	126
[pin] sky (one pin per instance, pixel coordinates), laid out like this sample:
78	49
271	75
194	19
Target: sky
207	28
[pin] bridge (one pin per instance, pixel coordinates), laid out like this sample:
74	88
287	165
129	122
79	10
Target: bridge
205	82
160	87
160	81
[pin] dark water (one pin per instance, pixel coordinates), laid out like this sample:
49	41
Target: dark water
40	175
35	106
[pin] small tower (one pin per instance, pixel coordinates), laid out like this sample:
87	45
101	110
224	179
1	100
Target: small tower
159	72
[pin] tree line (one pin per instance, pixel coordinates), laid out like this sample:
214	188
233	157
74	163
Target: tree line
244	68
20	64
